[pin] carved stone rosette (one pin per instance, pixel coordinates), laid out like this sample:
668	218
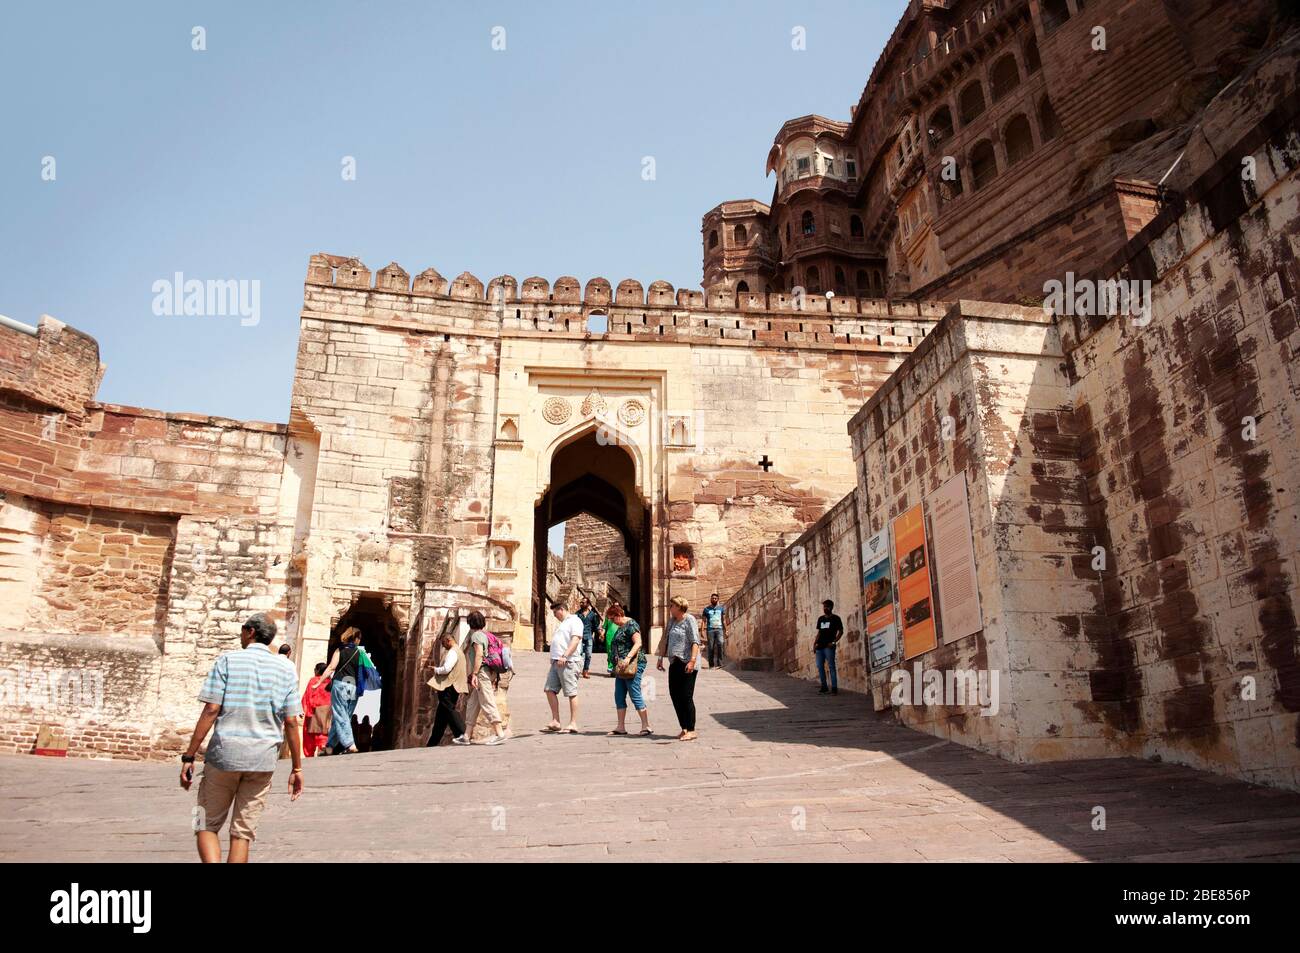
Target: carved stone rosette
631	412
556	410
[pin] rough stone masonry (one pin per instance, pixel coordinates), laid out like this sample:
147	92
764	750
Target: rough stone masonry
747	438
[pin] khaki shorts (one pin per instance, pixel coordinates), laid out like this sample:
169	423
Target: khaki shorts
245	790
564	679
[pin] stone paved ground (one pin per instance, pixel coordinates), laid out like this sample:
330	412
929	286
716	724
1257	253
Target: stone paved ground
779	773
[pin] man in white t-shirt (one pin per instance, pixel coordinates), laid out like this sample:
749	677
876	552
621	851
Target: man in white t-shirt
566	669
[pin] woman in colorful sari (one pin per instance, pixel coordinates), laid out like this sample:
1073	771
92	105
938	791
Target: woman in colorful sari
316	713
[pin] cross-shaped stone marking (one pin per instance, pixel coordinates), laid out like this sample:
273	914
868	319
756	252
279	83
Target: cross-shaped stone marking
765	463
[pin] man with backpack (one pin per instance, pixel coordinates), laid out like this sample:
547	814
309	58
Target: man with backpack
486	656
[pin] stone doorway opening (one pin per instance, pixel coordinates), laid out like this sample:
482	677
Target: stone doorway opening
595	561
384	642
594	477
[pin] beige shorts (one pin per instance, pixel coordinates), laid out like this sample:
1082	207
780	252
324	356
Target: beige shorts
564	679
245	790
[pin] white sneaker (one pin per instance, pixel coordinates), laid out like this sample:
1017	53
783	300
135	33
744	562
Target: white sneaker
495	740
462	740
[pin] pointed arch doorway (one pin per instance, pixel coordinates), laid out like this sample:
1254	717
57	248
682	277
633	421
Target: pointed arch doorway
383	636
598	477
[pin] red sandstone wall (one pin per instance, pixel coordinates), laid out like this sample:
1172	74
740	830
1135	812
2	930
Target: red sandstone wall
1078	238
132	544
58	367
1094	90
102	571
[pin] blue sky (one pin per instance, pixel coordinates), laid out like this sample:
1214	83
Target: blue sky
225	164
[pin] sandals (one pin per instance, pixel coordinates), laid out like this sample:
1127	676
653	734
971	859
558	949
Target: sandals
645	732
615	732
551	730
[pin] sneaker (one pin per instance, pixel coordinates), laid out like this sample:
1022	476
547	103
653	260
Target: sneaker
495	740
462	740
823	691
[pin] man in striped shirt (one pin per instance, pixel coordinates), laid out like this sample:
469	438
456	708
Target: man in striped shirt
249	698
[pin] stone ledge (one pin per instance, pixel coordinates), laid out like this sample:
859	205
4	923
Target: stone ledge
84	642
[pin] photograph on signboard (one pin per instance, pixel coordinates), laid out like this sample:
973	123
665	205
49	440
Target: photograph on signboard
919	633
879	594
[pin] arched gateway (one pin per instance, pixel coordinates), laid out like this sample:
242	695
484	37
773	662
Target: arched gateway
438	431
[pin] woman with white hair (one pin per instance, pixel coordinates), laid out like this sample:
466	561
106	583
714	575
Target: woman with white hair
683	640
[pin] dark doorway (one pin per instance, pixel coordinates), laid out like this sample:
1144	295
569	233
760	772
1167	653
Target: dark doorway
382	637
597	477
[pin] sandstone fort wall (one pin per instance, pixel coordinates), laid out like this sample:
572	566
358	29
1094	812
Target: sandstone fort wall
1094	433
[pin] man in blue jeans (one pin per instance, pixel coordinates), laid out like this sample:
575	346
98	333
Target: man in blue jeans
590	619
715	627
829	629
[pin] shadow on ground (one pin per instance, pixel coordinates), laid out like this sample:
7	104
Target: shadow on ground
1153	811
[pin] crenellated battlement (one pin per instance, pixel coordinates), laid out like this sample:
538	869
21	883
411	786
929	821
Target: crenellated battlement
536	304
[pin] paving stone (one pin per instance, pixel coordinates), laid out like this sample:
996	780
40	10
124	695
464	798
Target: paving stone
867	790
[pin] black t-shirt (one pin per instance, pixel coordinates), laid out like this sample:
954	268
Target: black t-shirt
829	629
347	666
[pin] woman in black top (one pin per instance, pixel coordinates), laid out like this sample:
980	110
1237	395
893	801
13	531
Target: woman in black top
343	692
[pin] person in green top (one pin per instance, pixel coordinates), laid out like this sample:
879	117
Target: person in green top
611	629
628	641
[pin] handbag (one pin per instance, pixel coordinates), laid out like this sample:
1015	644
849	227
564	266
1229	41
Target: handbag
627	666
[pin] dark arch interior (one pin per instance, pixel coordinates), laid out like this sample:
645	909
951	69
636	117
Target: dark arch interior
597	477
382	637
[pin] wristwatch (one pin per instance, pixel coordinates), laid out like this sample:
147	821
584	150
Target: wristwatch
187	759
